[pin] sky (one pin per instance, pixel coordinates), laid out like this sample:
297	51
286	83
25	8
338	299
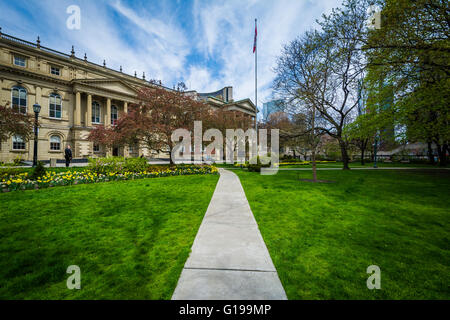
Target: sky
206	44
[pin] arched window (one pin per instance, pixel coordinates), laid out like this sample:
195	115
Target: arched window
95	112
18	143
114	115
55	106
19	99
55	143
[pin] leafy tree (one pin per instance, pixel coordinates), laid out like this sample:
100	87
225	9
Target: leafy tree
411	52
14	123
152	122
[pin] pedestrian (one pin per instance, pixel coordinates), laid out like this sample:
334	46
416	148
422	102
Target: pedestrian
68	155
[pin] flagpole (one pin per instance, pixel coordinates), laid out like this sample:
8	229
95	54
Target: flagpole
256	80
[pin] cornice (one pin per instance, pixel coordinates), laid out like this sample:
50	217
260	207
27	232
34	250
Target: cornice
35	75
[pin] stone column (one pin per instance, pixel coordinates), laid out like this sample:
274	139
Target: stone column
89	111
77	113
125	107
108	113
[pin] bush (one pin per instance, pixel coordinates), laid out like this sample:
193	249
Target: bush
136	164
117	164
38	171
17	161
106	165
257	167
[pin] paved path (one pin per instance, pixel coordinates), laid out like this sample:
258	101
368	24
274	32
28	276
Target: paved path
229	259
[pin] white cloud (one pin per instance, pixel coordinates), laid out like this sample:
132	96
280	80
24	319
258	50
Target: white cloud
208	47
225	32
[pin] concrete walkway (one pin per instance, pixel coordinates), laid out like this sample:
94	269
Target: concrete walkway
229	259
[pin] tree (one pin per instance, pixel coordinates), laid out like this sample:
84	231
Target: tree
14	123
362	132
280	120
152	121
411	51
319	72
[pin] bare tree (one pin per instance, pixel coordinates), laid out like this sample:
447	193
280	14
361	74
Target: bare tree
318	73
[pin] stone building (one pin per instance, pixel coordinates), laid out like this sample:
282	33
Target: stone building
75	94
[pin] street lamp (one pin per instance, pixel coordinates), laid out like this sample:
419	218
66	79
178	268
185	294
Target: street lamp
36	109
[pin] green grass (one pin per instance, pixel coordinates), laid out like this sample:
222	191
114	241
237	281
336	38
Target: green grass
367	165
322	237
129	238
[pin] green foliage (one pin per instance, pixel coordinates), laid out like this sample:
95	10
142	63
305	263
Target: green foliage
17	161
256	167
38	171
409	64
136	164
117	164
106	165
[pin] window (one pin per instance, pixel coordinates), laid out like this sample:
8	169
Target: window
55	71
19	99
114	115
19	61
95	112
55	143
18	143
55	106
96	148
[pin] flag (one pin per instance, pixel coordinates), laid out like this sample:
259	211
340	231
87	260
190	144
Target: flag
254	41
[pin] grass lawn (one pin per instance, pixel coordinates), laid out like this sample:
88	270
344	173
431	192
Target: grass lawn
322	237
129	238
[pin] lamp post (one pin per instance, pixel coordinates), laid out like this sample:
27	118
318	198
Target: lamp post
36	109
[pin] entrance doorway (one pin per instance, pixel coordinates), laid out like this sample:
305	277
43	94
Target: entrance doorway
115	152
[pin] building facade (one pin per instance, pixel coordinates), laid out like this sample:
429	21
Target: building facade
75	95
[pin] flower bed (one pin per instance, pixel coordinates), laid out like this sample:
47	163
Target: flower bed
22	181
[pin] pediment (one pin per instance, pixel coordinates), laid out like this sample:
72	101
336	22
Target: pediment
114	85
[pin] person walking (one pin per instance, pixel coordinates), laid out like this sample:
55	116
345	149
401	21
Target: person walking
68	155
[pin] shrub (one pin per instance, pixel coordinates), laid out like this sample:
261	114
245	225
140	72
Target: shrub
106	165
38	171
17	161
257	167
136	164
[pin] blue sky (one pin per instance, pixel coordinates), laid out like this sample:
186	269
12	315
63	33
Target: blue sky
206	44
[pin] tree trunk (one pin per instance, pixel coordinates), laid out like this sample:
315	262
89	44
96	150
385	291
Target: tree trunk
442	152
363	149
345	159
430	153
314	169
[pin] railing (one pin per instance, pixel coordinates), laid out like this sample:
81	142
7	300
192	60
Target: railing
31	44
